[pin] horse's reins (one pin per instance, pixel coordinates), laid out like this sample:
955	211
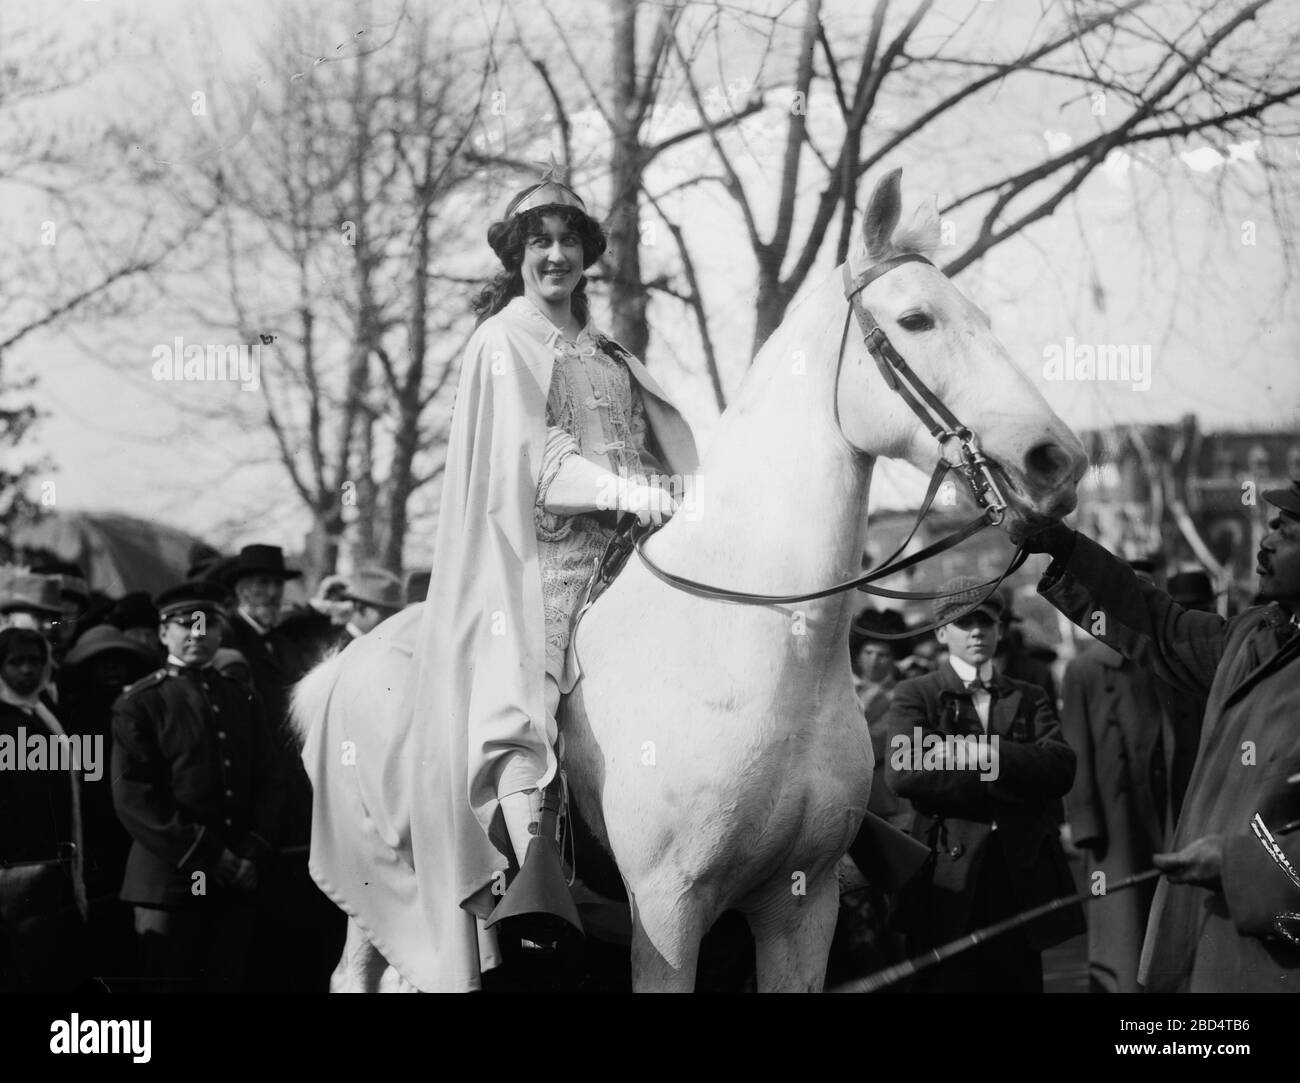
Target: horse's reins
942	425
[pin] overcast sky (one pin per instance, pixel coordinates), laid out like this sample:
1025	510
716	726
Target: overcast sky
1218	316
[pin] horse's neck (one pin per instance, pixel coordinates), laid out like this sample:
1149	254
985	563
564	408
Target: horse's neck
783	497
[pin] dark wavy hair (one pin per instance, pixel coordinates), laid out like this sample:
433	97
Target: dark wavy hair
508	238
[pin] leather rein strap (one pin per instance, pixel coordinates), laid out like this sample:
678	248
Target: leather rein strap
942	425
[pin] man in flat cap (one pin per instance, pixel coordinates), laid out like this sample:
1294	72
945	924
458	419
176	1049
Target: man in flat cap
1135	738
982	760
195	784
375	594
1213	924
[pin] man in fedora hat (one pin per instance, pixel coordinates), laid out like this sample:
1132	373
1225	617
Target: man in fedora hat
875	661
300	932
279	646
330	601
32	601
1193	590
1127	791
257	577
195	783
981	757
375	594
74	598
1213	924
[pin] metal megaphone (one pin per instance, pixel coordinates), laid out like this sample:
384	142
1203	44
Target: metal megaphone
538	906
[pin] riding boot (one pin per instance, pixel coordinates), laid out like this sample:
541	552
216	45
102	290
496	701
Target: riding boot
538	906
521	812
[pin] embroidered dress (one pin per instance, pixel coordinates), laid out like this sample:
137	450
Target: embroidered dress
593	409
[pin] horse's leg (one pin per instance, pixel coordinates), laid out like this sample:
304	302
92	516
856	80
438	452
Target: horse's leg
665	946
363	969
792	935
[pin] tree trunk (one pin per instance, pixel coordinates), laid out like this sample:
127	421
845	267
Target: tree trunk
627	295
769	305
406	440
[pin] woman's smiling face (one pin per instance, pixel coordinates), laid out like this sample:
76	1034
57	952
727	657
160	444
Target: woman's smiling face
552	263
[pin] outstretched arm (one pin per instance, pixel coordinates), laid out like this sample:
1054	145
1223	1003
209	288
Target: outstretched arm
1101	594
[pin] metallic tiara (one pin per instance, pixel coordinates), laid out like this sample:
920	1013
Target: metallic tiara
547	193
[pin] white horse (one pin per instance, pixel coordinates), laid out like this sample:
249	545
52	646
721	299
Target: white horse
716	749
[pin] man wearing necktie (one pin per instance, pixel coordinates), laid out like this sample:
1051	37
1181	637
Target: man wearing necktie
195	784
982	760
1213	924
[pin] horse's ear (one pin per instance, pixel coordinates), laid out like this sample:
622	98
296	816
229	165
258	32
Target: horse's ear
881	219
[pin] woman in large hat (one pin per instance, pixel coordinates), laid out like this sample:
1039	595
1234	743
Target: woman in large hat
556	431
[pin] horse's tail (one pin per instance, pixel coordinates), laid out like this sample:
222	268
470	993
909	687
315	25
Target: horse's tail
311	695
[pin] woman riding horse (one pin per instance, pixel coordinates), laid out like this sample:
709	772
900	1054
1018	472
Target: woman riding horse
742	781
554	432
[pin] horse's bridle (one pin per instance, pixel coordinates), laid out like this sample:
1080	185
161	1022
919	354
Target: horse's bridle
943	426
897	374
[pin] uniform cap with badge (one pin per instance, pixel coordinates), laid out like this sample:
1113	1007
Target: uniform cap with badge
195	596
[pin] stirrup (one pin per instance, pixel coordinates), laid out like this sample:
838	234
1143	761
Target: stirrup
538	906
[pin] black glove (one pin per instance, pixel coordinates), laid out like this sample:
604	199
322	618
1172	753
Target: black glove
1057	539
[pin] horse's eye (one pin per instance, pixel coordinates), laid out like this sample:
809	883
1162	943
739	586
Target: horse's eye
916	321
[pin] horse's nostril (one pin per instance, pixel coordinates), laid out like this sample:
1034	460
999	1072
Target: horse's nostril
1048	464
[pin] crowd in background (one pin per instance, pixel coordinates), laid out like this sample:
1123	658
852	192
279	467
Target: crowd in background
1129	779
92	889
75	661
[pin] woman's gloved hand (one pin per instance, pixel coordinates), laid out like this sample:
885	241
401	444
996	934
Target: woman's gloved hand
649	503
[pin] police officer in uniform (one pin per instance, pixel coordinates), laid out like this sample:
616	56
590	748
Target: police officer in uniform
195	785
